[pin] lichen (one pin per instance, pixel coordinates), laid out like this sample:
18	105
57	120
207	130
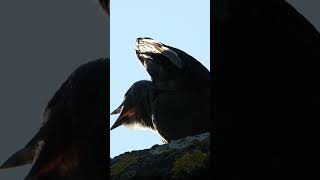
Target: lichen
123	164
187	163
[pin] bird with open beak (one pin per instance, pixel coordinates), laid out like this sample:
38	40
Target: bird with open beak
135	110
176	102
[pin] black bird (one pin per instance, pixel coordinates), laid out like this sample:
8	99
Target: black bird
170	67
178	96
135	110
72	141
266	95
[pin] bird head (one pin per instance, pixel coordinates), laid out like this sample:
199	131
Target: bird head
168	64
134	109
153	53
127	113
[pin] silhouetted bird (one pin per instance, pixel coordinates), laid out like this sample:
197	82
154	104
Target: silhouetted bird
71	143
177	101
266	76
135	110
170	67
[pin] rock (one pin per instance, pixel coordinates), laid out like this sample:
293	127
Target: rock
186	158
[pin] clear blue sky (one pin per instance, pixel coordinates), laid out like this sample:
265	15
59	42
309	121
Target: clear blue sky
184	24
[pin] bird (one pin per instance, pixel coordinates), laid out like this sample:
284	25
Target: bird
171	67
72	140
266	73
176	102
135	109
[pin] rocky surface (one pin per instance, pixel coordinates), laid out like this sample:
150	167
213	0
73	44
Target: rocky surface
186	158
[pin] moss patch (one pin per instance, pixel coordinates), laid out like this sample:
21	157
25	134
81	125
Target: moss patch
187	163
123	164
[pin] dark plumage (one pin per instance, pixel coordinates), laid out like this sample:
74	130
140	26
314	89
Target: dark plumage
136	106
170	67
72	141
177	101
266	79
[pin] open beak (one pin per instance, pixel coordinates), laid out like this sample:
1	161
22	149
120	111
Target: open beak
125	115
146	46
119	119
117	111
22	157
116	124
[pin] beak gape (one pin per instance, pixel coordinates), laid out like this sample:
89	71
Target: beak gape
124	117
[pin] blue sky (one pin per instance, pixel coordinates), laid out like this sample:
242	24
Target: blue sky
183	24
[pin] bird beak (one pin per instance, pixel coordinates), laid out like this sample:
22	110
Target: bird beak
22	157
116	124
145	46
119	120
118	110
124	117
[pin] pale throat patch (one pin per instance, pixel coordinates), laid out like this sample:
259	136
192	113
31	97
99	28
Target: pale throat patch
138	126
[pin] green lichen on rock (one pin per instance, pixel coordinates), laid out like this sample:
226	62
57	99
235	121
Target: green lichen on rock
187	163
182	159
123	164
